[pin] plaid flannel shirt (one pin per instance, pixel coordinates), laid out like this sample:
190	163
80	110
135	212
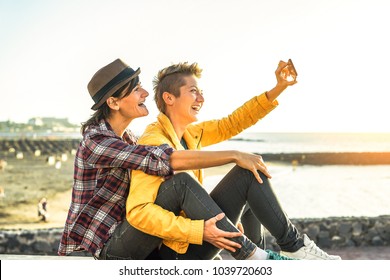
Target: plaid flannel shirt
101	185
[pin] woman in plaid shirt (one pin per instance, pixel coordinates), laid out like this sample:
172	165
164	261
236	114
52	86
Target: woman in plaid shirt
107	153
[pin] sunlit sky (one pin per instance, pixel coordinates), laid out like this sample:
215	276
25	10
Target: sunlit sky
49	50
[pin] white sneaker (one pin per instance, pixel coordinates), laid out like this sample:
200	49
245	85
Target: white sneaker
309	251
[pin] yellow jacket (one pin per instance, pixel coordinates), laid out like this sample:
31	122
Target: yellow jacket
141	212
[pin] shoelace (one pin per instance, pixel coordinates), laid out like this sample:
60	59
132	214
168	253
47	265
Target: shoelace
317	251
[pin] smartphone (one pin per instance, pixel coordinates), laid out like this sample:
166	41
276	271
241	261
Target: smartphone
292	68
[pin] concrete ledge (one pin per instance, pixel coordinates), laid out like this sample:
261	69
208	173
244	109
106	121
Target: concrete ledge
40	257
328	233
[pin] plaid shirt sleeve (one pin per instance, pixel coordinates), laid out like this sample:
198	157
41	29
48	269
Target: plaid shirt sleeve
108	152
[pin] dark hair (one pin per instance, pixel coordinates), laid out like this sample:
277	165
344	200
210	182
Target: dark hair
170	79
104	112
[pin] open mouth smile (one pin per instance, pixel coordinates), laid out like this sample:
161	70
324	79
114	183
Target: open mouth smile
196	107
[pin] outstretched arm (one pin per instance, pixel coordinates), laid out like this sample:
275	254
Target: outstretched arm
215	131
188	160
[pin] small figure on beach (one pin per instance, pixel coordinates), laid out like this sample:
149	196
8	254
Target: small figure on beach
2	192
3	164
42	209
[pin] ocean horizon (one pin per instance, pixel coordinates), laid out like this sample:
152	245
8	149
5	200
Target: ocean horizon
306	142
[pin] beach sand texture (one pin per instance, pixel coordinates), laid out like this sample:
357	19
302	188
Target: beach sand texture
25	181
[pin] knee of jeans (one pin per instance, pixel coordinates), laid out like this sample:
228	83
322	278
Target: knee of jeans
239	170
184	177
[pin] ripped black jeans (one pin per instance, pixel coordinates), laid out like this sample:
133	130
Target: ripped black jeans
236	190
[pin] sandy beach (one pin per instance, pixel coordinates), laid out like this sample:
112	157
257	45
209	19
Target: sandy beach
26	181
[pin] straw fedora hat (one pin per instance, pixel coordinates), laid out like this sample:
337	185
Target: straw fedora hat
109	79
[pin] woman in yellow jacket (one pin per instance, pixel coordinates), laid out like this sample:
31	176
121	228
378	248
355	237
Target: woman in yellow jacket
174	210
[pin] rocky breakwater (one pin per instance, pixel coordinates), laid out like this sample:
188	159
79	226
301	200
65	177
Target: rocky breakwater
341	158
340	232
27	147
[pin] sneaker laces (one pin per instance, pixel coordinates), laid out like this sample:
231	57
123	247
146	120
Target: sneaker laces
311	246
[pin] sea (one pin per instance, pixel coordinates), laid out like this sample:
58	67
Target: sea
308	142
321	191
267	142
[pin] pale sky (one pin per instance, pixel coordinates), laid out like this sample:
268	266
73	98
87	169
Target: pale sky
49	50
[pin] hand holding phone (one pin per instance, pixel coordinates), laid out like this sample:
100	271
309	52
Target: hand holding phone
292	69
289	73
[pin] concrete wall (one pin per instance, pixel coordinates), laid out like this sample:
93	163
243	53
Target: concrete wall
326	232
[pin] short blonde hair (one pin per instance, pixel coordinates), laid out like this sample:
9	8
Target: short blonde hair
171	78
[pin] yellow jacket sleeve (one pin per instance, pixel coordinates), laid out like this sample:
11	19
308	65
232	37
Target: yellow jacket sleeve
248	114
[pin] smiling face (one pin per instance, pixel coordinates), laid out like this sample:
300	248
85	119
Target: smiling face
132	106
186	107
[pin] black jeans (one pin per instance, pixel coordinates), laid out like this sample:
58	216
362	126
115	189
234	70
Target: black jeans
254	230
238	188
